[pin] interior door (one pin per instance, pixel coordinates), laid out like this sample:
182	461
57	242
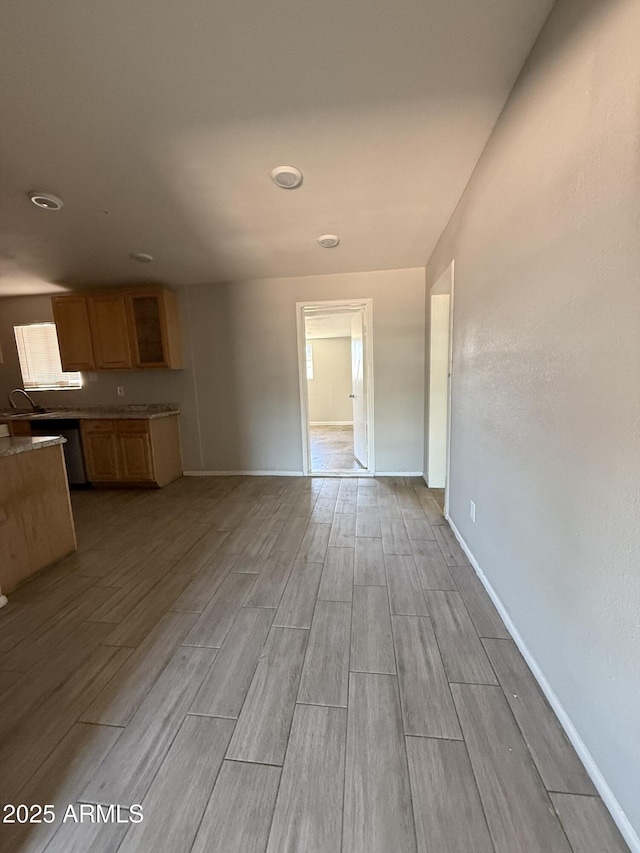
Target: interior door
358	390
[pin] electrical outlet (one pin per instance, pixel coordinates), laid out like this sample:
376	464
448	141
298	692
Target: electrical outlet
472	511
120	390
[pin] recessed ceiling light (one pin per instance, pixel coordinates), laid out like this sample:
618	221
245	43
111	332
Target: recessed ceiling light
286	177
329	241
143	257
46	201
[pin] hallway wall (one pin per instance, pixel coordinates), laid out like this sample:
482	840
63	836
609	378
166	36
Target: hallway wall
330	387
546	372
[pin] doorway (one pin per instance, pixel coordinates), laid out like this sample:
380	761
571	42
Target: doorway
440	366
336	387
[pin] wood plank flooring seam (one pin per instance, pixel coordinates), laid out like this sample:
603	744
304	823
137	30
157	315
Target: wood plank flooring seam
475	656
369	824
320	612
434	708
595	796
82	798
528	750
344	781
437	642
227	683
463	792
247	761
280	666
551	750
308	810
214	716
133	773
531	827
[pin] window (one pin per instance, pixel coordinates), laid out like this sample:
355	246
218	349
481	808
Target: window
309	350
40	359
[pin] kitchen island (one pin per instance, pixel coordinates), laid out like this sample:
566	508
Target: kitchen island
36	523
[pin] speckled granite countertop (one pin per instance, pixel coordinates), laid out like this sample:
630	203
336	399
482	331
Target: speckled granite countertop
13	446
139	411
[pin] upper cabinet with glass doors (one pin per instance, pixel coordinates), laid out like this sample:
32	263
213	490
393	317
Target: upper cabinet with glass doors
118	329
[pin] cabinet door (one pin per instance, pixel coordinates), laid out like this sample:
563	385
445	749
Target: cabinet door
134	447
154	328
108	318
71	317
20	428
99	443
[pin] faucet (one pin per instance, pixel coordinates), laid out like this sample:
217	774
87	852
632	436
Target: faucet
24	394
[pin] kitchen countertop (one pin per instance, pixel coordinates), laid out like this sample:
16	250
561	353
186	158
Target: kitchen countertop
136	411
12	446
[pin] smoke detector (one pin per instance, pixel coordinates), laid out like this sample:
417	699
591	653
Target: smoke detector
46	201
329	241
286	177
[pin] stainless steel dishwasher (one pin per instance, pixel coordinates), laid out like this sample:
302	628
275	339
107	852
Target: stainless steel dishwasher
73	455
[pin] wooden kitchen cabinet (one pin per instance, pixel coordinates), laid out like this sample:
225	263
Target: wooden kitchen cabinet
109	331
71	315
142	451
154	329
99	445
134	446
36	522
119	329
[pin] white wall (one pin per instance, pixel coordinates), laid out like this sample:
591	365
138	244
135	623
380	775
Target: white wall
330	387
245	353
546	371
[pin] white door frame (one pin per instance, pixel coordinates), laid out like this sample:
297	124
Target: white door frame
332	305
444	286
447	487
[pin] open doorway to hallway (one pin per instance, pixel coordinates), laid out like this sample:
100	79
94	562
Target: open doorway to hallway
336	384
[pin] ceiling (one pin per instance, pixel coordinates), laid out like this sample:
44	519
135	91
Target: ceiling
158	124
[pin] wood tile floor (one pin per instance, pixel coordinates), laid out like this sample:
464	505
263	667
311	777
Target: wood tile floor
331	449
281	665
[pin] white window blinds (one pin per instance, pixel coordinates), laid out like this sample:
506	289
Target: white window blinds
39	357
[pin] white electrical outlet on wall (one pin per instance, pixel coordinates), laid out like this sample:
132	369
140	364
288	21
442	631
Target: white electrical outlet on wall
120	390
472	511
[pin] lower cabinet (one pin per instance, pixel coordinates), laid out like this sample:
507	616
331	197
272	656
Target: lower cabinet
134	447
144	451
100	447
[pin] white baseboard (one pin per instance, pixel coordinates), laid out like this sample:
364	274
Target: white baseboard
346	474
301	474
398	473
242	474
622	822
330	423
